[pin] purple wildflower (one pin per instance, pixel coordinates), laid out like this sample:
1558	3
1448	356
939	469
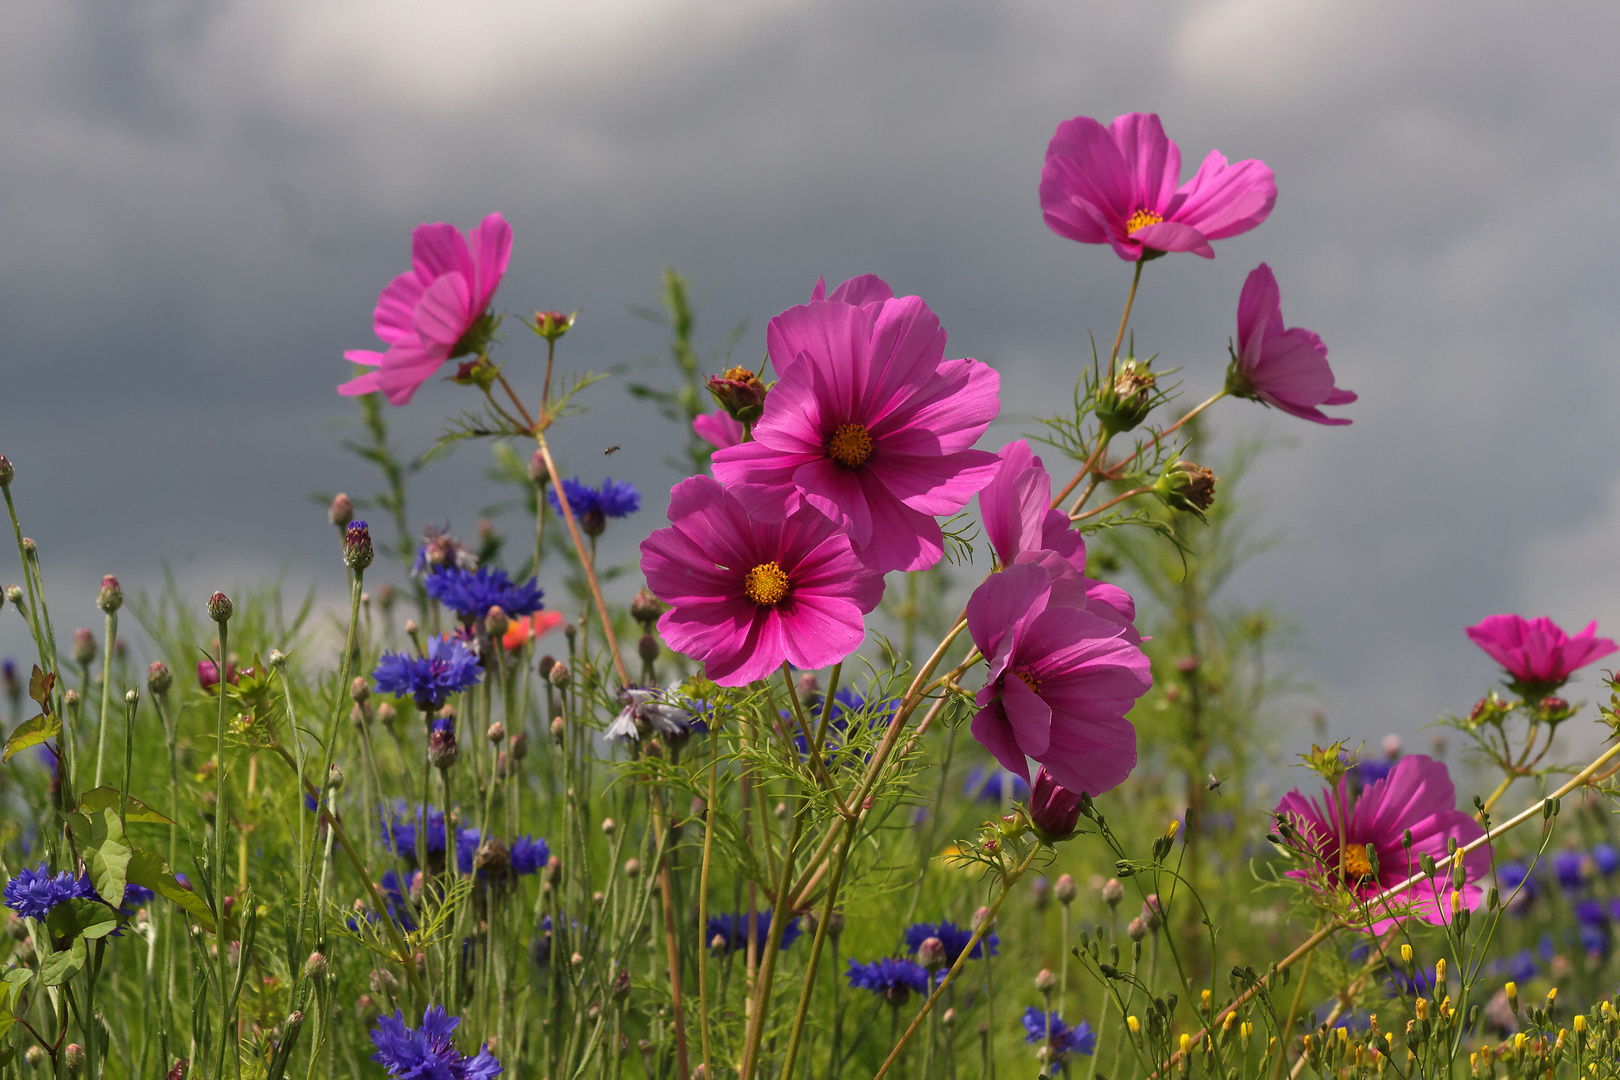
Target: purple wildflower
429	1052
447	668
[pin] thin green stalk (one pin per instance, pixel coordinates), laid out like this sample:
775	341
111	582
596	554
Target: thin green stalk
106	690
823	926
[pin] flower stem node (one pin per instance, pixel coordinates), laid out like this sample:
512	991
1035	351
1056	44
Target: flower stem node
1186	486
110	597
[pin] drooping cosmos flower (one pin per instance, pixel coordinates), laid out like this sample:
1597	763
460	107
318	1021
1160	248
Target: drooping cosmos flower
1417	795
953	937
1064	1040
1054	809
745	595
436	310
1061	680
471	593
32	893
1022	526
593	506
428	1052
894	977
869	424
1536	652
718	429
447	669
1284	368
733	931
1118	185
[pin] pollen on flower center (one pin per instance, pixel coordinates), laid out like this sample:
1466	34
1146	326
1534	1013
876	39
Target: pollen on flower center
1356	864
850	445
738	374
1141	220
766	584
1031	680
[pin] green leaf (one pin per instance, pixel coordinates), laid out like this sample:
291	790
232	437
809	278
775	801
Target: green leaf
58	968
104	798
82	917
150	871
107	856
31	733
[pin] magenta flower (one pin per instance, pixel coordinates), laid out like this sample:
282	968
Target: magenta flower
868	423
718	429
1061	680
1023	526
1117	185
1417	795
1054	809
745	595
1287	369
436	310
861	290
1539	655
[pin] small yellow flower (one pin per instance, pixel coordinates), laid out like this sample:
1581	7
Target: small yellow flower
1580	1023
1440	972
1406	955
1171	830
1134	1024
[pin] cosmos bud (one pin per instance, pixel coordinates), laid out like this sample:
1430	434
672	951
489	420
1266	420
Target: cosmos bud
1187	486
740	392
1126	402
552	325
110	597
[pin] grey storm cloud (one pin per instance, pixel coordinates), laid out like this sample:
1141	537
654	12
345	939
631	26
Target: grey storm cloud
199	202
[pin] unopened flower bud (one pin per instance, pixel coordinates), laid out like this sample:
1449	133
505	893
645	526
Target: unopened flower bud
538	476
552	325
1045	981
334	778
73	1058
547	662
554	871
34	1056
1126	402
131	696
632	868
1136	930
442	748
342	511
359	690
1113	892
367	1009
84	646
70	700
982	916
109	597
387	714
621	984
740	392
14	593
519	746
1041	891
608	826
7	471
315	967
29	548
1153	912
560	676
949	1019
559	727
647	649
159	678
645	608
493	858
496	733
1187	486
931	954
1065	889
357	553
497	622
220	607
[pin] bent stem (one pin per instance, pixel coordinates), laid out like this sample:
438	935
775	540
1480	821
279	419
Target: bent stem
978	934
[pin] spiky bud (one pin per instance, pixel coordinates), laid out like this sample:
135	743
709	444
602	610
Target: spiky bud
84	646
315	967
357	553
1153	912
30	549
220	607
109	597
7	471
931	954
387	714
520	746
554	871
560	676
342	511
497	622
547	662
645	608
1113	892
1045	981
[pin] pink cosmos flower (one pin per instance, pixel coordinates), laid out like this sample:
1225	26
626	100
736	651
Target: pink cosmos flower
1417	795
1539	655
1117	185
868	423
1053	809
1023	526
746	595
718	429
428	314
1287	369
1061	680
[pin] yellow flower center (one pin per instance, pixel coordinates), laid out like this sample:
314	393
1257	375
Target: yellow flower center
1031	680
738	374
766	584
850	445
1356	864
1141	220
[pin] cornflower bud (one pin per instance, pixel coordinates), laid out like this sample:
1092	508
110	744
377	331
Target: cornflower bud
559	728
442	748
547	662
1045	981
109	597
608	826
520	746
14	593
7	471
554	871
493	858
1136	930
73	1057
359	690
30	549
220	607
315	967
159	678
647	649
131	696
621	984
1041	890
632	868
1113	892
646	608
35	1056
931	954
387	714
949	1019
497	622
1065	889
342	511
357	553
560	676
981	917
1153	912
84	646
334	778
538	476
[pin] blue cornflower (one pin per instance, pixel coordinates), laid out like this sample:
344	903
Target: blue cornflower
1520	967
1592	926
440	550
848	706
953	937
399	909
894	977
471	593
1419	982
467	841
984	784
32	893
429	1052
136	895
593	506
1364	774
733	930
1065	1040
1568	869
1606	859
1518	888
446	669
529	855
399	829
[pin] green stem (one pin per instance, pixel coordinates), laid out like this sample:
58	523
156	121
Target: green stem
106	690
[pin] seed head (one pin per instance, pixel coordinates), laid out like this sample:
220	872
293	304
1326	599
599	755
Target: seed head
109	597
220	607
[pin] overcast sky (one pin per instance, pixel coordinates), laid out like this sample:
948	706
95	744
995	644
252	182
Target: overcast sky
199	202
